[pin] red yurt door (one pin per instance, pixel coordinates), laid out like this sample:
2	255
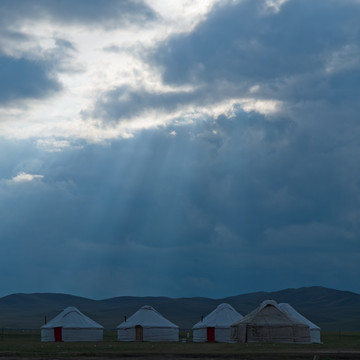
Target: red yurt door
58	333
210	332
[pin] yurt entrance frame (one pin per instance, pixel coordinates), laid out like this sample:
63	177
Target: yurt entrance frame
139	333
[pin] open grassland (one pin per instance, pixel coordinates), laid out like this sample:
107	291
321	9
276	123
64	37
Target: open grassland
27	344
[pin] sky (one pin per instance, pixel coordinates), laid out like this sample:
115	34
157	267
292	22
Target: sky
179	148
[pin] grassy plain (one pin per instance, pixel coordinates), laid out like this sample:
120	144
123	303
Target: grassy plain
27	345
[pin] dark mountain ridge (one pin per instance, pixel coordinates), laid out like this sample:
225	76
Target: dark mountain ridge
332	310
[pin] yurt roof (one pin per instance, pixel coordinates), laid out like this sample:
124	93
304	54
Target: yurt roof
268	314
71	317
147	317
292	312
223	316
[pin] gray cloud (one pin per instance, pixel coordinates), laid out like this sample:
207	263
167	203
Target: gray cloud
33	75
24	79
238	42
107	13
125	102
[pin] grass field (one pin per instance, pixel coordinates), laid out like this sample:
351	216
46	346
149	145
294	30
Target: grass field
27	344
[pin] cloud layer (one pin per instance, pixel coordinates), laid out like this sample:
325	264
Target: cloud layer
176	151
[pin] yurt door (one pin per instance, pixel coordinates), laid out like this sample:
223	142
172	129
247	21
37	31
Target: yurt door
210	332
139	333
58	333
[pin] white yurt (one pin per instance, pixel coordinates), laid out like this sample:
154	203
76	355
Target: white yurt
71	325
147	325
215	327
268	323
314	329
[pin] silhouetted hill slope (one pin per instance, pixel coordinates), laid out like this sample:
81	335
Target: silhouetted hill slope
332	310
29	310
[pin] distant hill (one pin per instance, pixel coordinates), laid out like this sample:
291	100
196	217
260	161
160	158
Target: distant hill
332	310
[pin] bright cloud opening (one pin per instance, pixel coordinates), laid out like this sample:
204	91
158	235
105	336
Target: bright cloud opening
25	177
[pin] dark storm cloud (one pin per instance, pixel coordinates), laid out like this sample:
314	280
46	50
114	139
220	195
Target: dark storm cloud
298	166
241	43
25	79
270	201
220	199
125	102
33	75
305	52
12	35
108	13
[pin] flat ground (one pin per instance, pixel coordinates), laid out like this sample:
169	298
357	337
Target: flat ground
27	345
